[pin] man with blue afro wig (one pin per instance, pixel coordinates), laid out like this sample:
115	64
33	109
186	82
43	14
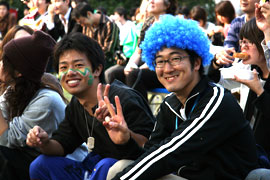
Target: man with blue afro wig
175	32
200	130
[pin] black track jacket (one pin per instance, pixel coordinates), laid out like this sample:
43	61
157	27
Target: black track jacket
214	142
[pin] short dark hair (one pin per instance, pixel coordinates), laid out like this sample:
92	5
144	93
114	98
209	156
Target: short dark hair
4	3
193	56
198	13
172	6
122	12
251	32
84	44
81	10
226	9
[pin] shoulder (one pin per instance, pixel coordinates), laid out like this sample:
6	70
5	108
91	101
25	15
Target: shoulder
47	97
238	20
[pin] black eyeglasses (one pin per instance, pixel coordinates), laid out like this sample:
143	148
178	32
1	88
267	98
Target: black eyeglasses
174	61
245	42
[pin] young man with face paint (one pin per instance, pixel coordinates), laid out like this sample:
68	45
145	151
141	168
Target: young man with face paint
80	60
200	132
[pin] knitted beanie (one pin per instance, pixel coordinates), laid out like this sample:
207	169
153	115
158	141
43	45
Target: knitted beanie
29	55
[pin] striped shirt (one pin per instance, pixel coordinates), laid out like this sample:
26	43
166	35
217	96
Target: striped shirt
106	34
232	39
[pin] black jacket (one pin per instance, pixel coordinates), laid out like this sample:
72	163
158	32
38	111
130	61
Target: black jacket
214	142
72	131
258	106
59	30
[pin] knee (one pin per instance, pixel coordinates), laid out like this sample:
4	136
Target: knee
38	164
105	163
259	174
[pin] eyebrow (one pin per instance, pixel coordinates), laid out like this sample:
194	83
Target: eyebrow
73	61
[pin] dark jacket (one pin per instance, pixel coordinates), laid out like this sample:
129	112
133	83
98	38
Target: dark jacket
258	106
214	142
72	132
59	30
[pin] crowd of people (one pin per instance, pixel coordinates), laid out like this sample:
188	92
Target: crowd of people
213	124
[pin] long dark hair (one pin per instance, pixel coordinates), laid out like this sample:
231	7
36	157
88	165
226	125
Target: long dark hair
19	96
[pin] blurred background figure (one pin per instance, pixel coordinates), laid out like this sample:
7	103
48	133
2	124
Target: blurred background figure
183	12
37	18
7	20
199	14
225	13
75	2
100	27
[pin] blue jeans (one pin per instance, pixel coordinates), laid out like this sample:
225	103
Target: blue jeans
55	167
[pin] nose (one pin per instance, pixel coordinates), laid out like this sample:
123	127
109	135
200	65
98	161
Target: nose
71	72
167	67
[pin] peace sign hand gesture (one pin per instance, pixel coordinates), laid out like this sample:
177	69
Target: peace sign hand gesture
102	111
116	125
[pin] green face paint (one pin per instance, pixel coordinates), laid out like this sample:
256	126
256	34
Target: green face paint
85	72
90	75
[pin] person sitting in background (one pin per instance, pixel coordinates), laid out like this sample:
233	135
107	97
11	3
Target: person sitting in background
128	44
199	14
183	12
7	20
225	13
38	17
101	28
60	21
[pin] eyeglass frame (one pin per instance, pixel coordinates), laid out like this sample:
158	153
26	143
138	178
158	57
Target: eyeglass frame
245	42
170	61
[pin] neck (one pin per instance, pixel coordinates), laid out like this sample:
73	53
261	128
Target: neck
184	94
249	16
88	99
42	11
123	21
96	21
65	12
157	16
265	71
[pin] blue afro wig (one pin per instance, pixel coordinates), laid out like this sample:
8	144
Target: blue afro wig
172	31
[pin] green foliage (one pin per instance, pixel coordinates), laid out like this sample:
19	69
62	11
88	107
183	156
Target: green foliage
110	5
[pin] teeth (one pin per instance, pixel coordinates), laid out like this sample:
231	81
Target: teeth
171	77
73	81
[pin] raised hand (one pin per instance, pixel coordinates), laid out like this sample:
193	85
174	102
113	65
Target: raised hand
116	126
254	84
37	137
102	111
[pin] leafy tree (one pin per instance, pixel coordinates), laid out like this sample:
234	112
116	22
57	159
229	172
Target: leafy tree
110	5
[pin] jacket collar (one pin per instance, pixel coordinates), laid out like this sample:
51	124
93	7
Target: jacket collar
175	105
